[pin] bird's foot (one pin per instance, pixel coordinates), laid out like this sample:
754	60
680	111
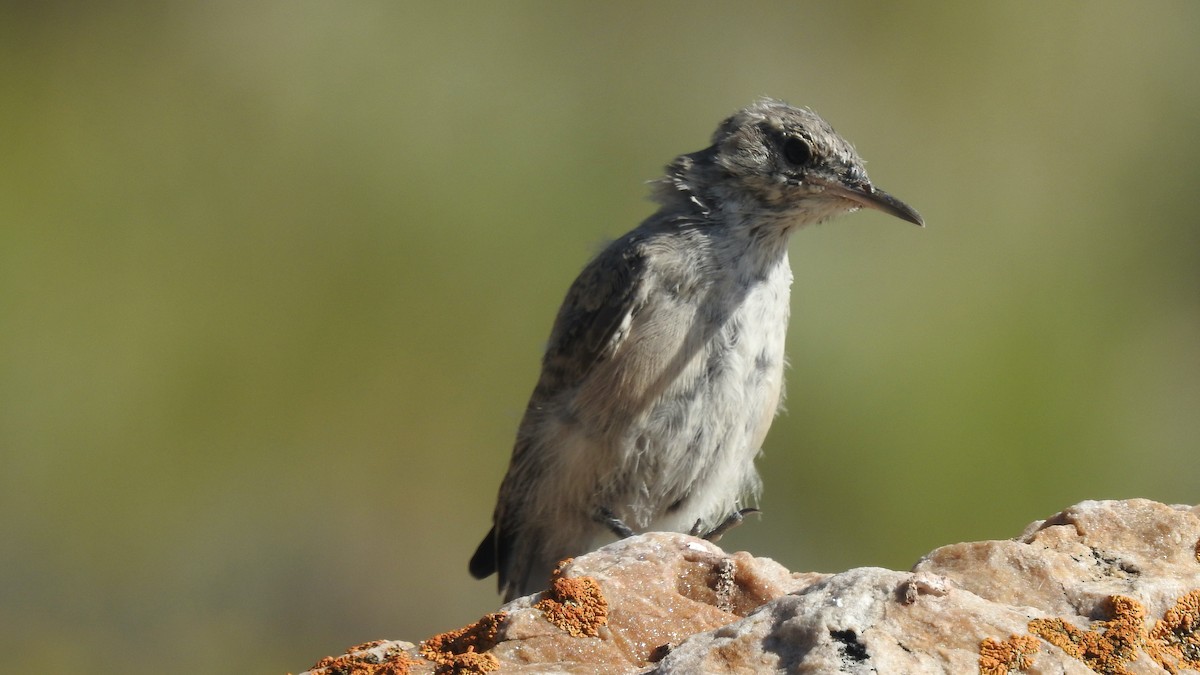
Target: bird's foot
610	520
731	521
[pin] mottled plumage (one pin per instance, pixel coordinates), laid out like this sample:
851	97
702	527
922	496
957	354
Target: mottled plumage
665	365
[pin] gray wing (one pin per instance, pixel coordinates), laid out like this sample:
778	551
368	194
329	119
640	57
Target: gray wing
588	329
594	317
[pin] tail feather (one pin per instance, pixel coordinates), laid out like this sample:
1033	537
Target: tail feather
520	572
483	563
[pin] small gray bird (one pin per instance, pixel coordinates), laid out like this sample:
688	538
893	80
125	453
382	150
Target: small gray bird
665	365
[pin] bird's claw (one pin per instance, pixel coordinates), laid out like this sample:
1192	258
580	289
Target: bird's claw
607	518
731	521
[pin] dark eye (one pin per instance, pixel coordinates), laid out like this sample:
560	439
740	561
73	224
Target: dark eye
796	151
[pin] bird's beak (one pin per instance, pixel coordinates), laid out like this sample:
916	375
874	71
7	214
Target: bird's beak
873	198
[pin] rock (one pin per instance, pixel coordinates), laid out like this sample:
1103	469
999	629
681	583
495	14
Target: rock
1109	587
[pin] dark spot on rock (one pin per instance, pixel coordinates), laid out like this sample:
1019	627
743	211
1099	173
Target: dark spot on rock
659	653
849	645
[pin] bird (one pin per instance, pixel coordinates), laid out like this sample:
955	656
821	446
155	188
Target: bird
665	364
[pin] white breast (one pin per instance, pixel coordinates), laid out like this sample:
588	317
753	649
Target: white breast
664	433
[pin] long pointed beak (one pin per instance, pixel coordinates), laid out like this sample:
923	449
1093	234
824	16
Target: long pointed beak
873	198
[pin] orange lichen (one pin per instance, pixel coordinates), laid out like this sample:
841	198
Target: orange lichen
392	662
1106	649
1198	550
1174	641
1002	657
464	650
575	605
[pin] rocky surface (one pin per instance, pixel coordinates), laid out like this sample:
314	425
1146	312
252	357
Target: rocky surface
1110	587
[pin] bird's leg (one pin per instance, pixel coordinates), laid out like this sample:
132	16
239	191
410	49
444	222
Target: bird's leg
607	518
731	521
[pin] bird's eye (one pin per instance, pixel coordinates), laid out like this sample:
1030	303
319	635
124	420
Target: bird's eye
796	151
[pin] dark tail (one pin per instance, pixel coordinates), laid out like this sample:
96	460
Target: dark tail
483	563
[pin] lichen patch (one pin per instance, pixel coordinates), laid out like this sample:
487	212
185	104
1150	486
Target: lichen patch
998	657
464	651
575	605
1174	641
1109	646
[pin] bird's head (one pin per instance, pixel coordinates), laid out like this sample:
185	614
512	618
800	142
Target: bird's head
771	159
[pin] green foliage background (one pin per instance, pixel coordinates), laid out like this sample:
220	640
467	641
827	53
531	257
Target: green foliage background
275	276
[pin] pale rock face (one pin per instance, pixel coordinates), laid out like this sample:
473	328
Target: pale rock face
1113	585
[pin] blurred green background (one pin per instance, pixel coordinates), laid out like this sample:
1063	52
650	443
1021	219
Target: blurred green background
275	278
